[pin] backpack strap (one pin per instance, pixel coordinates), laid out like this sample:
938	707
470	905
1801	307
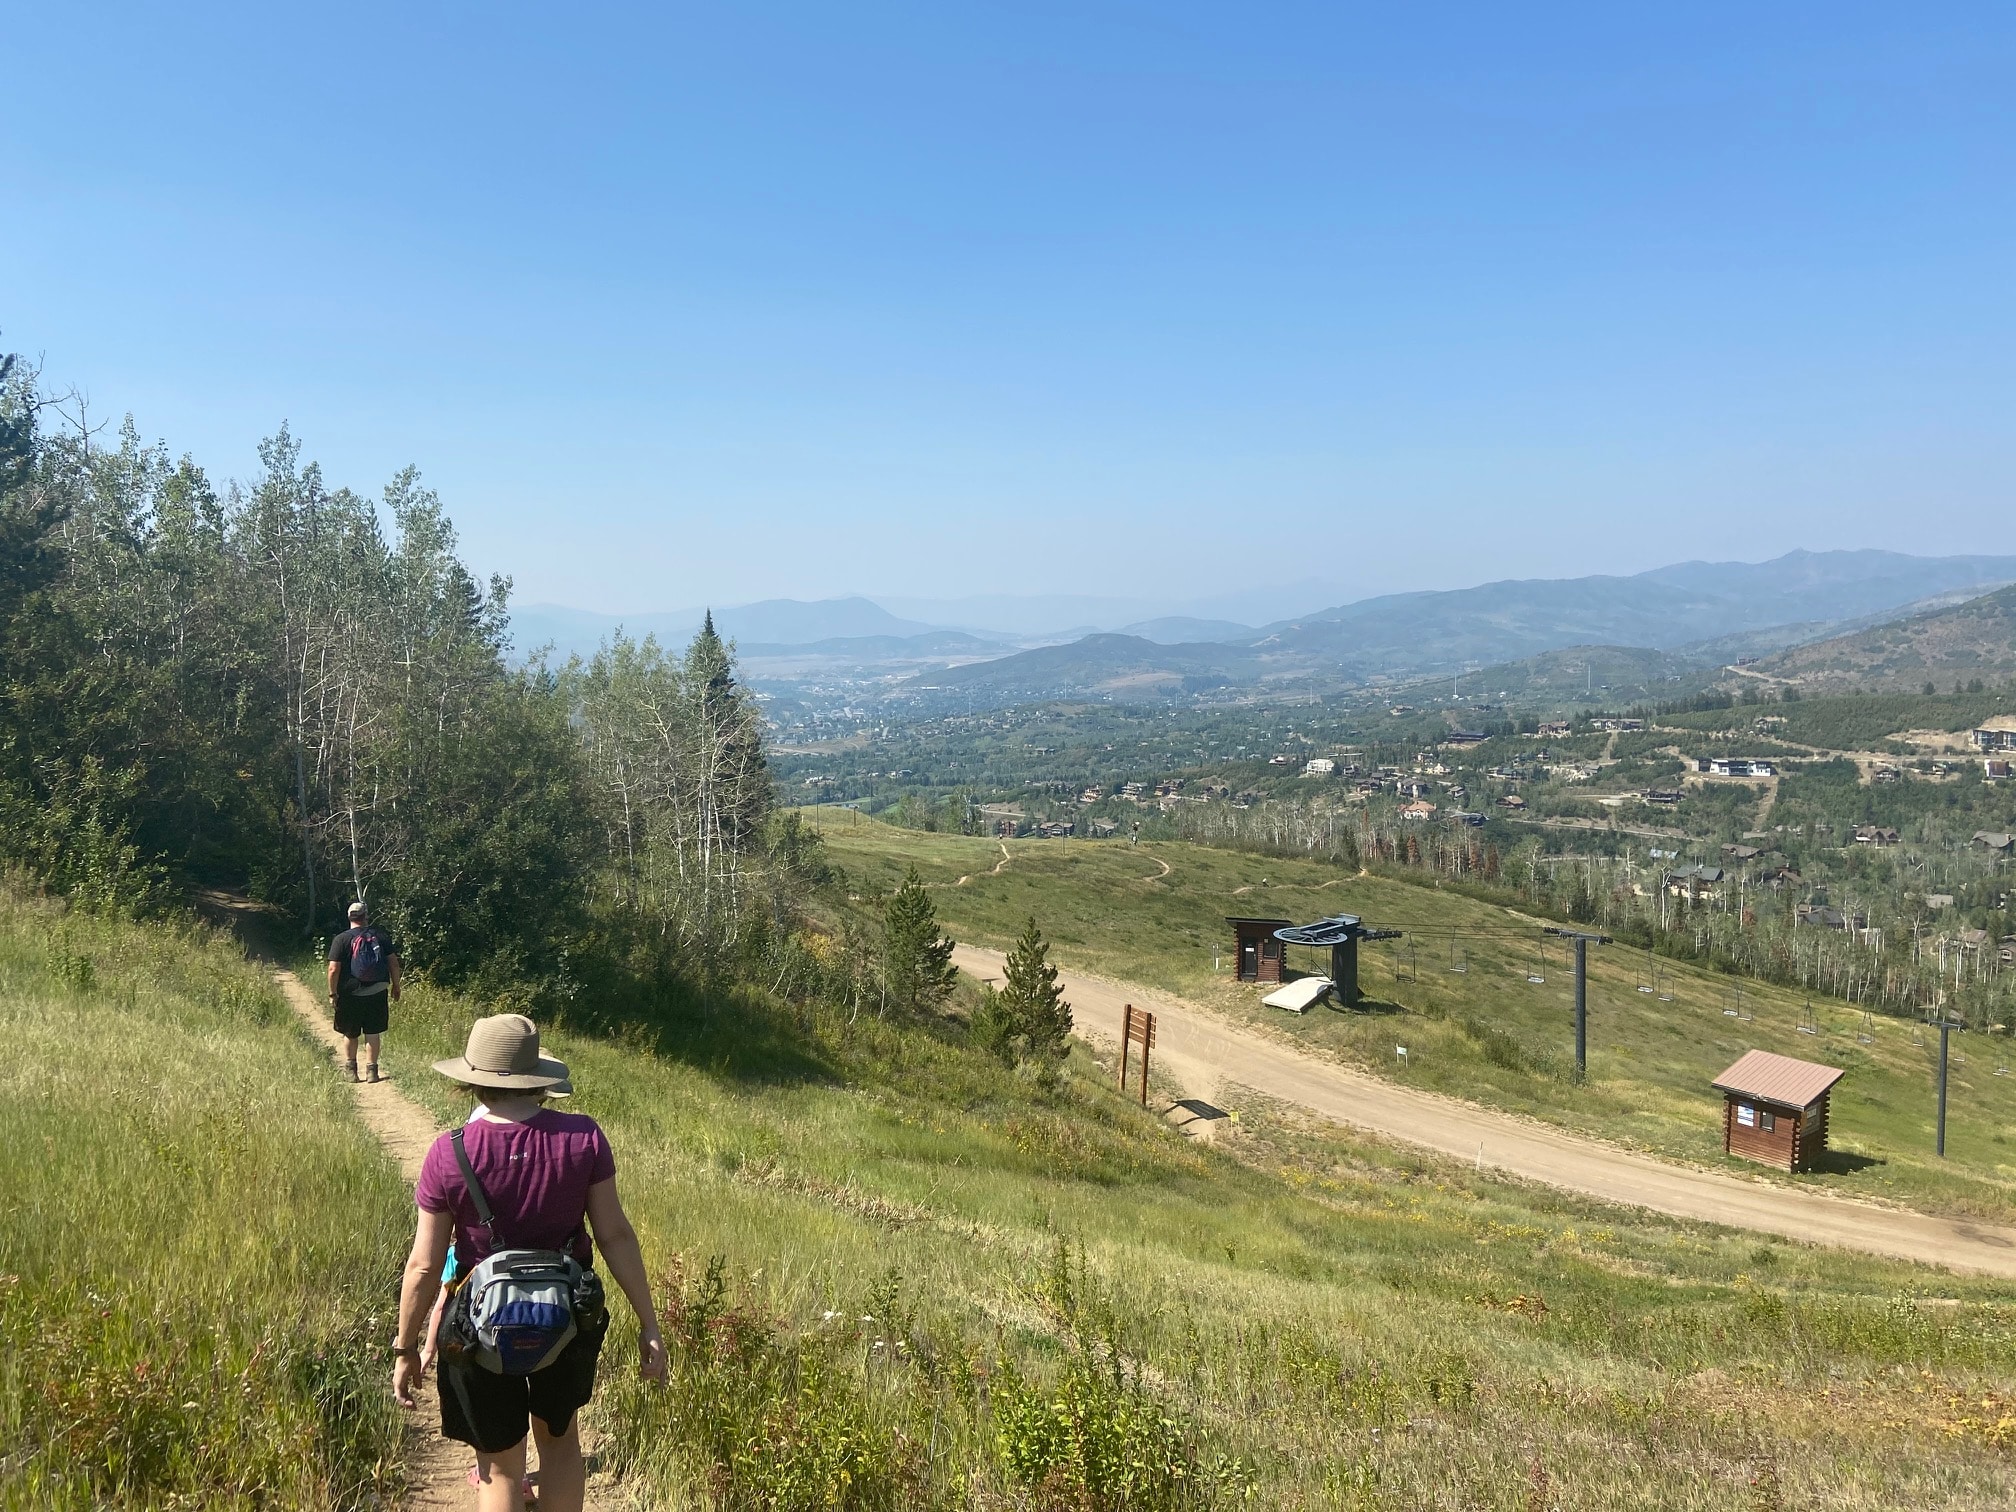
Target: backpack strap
476	1194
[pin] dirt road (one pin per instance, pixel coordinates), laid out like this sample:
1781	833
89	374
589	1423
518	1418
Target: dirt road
1200	1050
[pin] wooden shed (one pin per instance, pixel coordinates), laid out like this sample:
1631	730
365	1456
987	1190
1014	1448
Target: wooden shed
1774	1109
1258	954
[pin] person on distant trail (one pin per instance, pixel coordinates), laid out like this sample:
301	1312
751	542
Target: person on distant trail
363	984
546	1181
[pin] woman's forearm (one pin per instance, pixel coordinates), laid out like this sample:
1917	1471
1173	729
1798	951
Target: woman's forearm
416	1299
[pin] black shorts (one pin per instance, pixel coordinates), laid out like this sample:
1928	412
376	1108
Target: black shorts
489	1412
363	1015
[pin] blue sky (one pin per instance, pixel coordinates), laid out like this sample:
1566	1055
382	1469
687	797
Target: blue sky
678	304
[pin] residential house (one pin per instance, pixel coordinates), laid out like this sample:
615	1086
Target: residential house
1697	883
1821	916
1620	726
1885	774
1512	801
1318	766
1781	877
1998	734
1465	738
1937	901
1994	840
1741	852
1103	829
1553	728
1466	816
1056	829
1995	770
1415	787
1875	834
1417	810
1663	797
1737	766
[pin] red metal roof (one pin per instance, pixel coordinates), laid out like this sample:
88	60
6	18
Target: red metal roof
1778	1079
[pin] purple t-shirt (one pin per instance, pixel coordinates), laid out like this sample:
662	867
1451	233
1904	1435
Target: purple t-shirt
536	1175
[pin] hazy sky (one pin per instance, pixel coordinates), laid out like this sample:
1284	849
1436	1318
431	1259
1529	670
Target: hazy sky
678	304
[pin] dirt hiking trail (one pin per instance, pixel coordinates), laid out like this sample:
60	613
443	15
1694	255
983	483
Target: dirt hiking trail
1202	1050
438	1468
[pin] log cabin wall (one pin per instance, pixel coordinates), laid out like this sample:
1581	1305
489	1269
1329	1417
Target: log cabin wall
1757	1131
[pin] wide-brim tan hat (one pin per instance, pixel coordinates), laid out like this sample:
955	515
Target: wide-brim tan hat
504	1052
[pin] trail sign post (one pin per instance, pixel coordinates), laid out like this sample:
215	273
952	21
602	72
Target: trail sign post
1137	1028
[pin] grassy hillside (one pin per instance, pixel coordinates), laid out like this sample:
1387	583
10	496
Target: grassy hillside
1485	1032
198	1242
897	1275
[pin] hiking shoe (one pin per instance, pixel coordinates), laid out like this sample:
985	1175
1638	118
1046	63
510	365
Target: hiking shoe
349	1070
370	1073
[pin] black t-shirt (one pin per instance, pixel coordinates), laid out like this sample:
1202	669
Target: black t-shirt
339	952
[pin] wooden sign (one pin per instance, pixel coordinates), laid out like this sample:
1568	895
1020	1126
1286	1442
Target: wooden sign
1138	1028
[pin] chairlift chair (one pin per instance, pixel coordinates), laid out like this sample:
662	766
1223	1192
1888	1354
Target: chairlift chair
1539	973
1667	971
1809	1022
1645	973
1867	1036
1459	956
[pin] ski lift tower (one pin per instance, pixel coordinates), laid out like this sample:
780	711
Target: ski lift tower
1341	933
1583	940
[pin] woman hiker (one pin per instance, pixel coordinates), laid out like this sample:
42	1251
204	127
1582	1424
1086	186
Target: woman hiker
549	1179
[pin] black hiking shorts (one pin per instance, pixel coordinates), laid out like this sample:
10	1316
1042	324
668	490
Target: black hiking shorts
363	1015
490	1412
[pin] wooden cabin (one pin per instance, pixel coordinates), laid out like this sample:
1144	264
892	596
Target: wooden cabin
1258	954
1774	1109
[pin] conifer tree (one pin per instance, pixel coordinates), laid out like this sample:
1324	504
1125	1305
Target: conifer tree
1028	1019
916	956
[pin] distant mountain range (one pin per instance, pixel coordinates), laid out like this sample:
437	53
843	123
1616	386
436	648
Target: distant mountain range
1690	611
773	622
1698	615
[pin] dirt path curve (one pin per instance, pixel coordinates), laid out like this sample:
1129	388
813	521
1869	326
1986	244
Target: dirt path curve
1005	858
1200	1050
439	1469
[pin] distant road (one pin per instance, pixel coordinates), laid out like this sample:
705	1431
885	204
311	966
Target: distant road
1201	1050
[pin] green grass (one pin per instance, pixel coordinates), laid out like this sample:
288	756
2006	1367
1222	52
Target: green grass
1486	1033
198	1242
900	1276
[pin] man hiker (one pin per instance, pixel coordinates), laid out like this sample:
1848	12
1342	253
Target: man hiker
363	975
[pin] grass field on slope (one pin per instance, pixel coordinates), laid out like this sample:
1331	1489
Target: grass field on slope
1485	1033
898	1276
197	1239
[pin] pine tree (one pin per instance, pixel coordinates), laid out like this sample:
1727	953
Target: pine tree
916	957
1028	1020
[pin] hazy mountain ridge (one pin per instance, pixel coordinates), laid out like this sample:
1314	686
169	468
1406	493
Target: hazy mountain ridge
1671	611
1973	639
